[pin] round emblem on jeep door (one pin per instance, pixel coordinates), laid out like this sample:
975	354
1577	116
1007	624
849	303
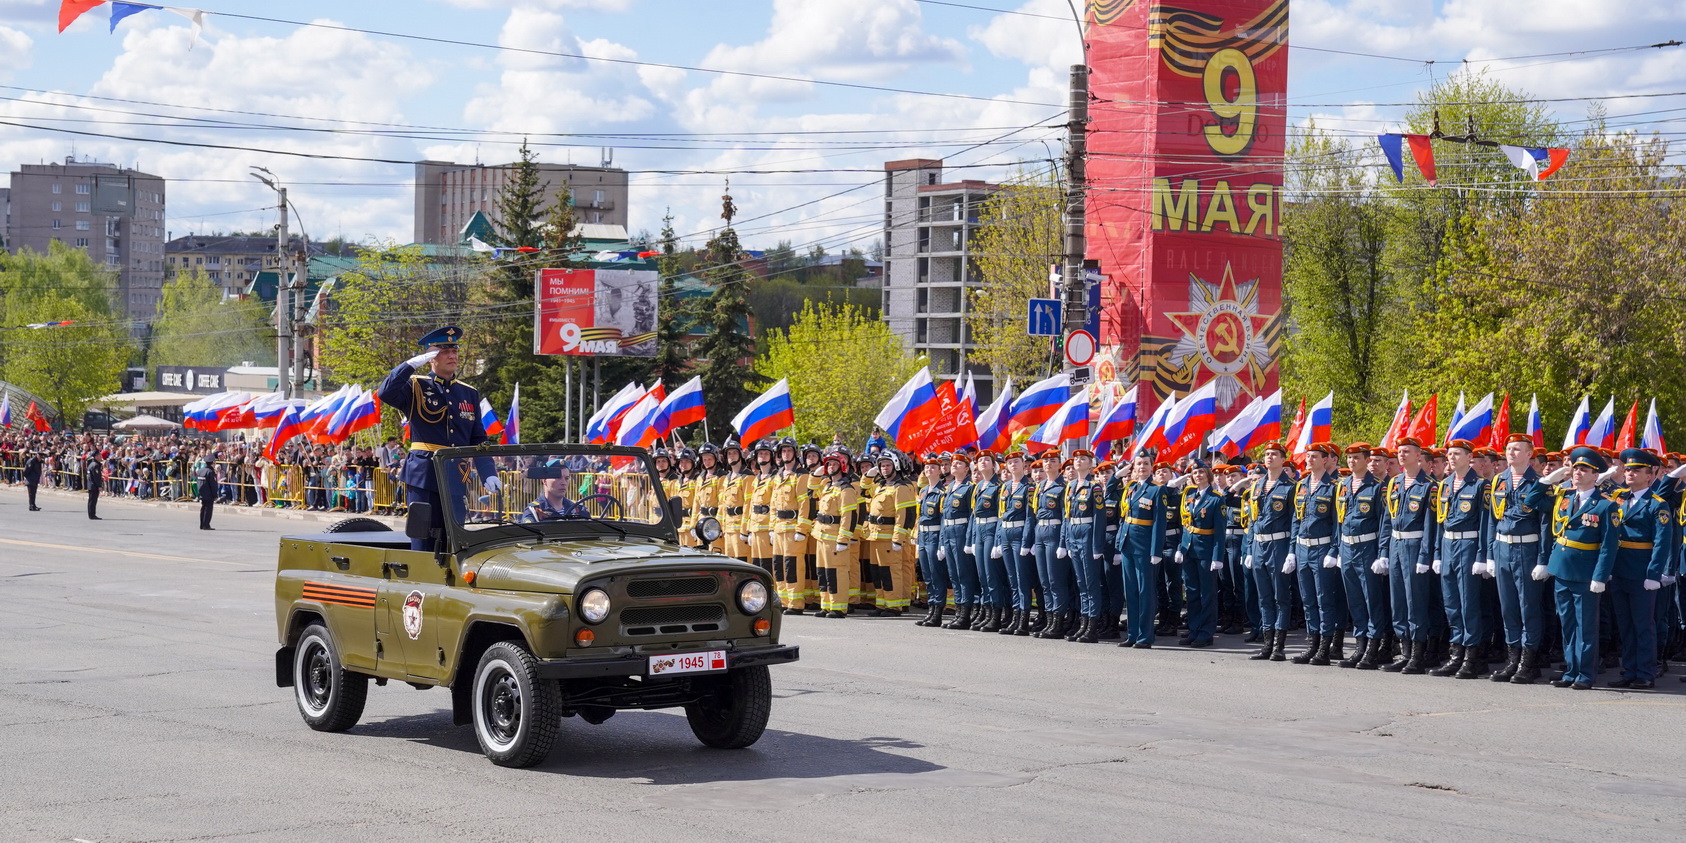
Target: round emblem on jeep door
413	614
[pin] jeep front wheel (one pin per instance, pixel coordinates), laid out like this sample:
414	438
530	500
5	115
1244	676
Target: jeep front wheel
515	712
734	714
330	697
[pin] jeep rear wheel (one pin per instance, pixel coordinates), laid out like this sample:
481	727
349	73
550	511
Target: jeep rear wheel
330	697
735	714
515	712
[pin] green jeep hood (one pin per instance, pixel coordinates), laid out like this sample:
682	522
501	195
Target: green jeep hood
557	567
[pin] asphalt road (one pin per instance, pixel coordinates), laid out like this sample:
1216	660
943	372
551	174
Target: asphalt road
137	702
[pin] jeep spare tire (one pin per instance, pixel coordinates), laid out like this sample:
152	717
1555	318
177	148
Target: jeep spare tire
357	525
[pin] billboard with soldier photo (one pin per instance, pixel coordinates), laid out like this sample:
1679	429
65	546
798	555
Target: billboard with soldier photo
595	312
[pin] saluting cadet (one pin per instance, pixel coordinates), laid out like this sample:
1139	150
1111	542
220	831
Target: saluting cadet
1053	561
931	498
759	520
1084	498
1586	526
1465	528
443	412
888	529
1410	549
1269	541
1314	530
984	547
1520	544
1141	543
1201	554
1017	538
1359	506
1644	555
833	514
956	539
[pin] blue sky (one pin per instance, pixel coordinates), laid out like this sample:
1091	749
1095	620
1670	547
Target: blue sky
1013	65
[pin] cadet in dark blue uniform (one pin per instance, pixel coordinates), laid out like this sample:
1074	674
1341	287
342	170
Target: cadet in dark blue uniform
1053	563
1141	543
443	413
1586	526
1361	544
1269	540
1084	498
1410	547
1239	590
1644	556
1314	541
1465	529
956	538
1201	554
1520	543
1017	538
1112	594
931	567
983	544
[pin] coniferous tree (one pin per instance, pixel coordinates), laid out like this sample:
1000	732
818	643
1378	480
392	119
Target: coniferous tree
726	349
672	358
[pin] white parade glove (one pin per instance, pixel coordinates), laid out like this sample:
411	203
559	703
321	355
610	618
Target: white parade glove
968	549
1652	585
1290	564
1097	557
1421	568
1154	560
1060	552
422	359
1333	560
493	484
1435	567
1217	564
1025	551
801	537
745	537
1476	569
1596	587
1489	570
842	546
1117	558
1179	557
1379	567
895	545
1247	562
1668	579
995	552
1539	573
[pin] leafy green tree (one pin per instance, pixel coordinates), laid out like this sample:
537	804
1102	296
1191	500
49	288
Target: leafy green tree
1019	233
196	327
842	363
726	349
72	365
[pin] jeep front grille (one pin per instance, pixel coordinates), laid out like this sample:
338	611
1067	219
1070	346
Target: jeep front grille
673	620
672	587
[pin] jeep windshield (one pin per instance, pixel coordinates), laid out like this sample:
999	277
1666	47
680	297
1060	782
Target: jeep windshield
541	488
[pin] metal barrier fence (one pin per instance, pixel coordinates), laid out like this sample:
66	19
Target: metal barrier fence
272	485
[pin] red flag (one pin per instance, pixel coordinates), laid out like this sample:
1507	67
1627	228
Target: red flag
1423	151
1424	426
952	427
1294	429
70	10
1401	420
1625	439
35	415
1501	424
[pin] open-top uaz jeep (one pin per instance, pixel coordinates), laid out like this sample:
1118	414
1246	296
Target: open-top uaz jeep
566	593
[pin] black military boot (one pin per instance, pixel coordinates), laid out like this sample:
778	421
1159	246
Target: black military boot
1010	620
1528	668
1414	663
1091	631
1313	644
991	620
1369	659
1407	647
1360	649
1079	628
1513	660
1475	664
1333	649
1281	652
1109	629
1053	626
1269	648
962	618
1454	662
1027	626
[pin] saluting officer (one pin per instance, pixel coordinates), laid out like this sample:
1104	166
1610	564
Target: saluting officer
1586	525
444	413
1201	554
1520	544
1315	560
1141	543
1410	550
932	495
1460	558
1269	541
1362	547
1644	555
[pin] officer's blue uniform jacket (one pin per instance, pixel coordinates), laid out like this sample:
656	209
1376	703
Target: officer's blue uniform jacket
1048	502
442	412
1142	514
1645	548
1410	501
1084	499
1205	519
1272	513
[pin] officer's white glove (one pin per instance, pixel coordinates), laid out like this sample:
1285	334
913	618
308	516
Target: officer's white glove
745	537
1539	573
1596	587
842	546
1025	551
1290	564
801	537
1379	567
995	552
1247	562
1476	569
1117	558
1421	568
895	545
942	555
1179	557
1333	560
1652	585
1489	570
493	484
1217	564
422	359
1668	579
1097	557
968	549
1154	560
1435	567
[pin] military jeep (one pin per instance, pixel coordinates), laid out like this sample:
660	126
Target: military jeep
564	593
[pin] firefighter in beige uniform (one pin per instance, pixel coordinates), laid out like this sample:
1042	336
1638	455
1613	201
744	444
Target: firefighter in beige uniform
889	531
790	528
835	508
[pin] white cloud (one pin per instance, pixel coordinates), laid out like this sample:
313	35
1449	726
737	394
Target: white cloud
604	5
545	93
14	52
858	40
1048	41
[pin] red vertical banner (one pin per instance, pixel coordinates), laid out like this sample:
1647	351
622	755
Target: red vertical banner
1186	141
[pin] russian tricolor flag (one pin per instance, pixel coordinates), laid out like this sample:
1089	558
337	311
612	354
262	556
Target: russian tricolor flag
1040	402
1653	438
489	419
992	423
685	406
1194	417
1401	421
1475	425
768	414
512	429
1152	434
600	429
1319	424
1536	430
291	425
357	412
1457	416
1579	424
1118	420
1070	421
5	410
909	411
1602	433
637	427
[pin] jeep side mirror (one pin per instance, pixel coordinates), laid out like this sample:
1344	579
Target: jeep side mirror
676	509
418	522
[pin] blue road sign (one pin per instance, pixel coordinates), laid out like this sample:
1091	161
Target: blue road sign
1044	318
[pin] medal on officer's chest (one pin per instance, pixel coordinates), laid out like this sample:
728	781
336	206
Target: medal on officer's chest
1589	519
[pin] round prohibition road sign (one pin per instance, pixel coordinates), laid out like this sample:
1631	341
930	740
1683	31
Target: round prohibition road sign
1079	348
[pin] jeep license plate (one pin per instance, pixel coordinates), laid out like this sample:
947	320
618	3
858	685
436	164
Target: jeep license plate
709	662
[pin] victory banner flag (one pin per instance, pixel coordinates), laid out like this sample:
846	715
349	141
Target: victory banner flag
595	312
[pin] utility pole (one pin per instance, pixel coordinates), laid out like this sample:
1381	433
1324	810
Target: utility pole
1076	290
301	280
284	382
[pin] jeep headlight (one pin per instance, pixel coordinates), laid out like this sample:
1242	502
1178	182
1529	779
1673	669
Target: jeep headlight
752	597
594	605
708	530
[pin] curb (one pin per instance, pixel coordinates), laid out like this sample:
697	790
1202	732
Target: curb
222	509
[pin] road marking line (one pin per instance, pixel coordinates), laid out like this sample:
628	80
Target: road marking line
117	552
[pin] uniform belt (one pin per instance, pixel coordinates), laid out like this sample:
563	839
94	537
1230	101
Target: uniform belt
828	519
1202	531
734	510
425	446
1270	537
930	528
1464	535
1634	545
684	511
760	510
1531	538
785	513
1086	519
1139	522
990	520
956	522
709	510
1406	535
882	520
1367	537
1575	545
1317	542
